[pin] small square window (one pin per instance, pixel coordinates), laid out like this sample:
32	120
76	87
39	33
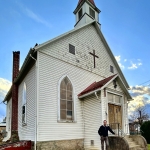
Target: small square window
111	69
92	12
71	49
117	99
80	14
110	97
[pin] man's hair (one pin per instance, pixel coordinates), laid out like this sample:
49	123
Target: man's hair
105	120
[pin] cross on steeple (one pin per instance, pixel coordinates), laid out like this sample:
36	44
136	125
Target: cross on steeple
94	56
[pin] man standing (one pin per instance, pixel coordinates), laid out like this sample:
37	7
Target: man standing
103	132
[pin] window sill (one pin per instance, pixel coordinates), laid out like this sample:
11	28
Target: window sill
66	121
24	124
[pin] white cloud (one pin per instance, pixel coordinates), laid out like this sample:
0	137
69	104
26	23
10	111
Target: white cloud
4	84
121	66
37	18
32	15
118	58
4	87
125	60
140	90
133	66
141	96
139	64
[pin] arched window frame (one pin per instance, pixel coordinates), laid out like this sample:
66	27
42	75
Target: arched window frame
74	102
24	104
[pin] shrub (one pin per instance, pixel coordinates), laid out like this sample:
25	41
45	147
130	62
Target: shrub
146	130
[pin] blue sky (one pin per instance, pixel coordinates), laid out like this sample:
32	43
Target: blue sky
125	25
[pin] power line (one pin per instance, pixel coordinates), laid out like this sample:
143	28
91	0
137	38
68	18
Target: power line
2	102
144	82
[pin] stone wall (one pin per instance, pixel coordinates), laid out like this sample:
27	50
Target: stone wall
140	140
61	145
118	143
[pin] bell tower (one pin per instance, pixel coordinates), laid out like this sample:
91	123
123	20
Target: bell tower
86	12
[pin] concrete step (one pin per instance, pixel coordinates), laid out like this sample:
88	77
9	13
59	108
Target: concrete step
91	148
129	139
132	144
134	147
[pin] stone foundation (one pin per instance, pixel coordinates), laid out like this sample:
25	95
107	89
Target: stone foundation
117	143
140	140
14	136
61	145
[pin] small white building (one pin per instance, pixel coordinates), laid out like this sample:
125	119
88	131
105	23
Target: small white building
67	86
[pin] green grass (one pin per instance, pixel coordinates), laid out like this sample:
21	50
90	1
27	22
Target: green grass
148	146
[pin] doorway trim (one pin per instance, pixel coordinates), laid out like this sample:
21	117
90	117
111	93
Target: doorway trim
114	103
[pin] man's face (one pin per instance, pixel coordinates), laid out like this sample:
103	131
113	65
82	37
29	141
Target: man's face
105	122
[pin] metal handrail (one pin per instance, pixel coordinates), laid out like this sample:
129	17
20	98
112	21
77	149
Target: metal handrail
122	133
116	125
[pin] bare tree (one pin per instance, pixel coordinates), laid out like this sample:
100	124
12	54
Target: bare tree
139	115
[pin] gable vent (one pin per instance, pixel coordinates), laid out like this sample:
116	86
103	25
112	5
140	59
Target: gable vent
71	49
92	142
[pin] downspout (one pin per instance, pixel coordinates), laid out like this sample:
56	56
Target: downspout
97	96
83	120
36	71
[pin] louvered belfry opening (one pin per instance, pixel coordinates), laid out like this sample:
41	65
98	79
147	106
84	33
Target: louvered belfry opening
15	71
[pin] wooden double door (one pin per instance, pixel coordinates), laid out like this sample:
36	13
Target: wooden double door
115	116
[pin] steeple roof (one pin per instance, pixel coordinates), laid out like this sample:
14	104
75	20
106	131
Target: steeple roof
92	1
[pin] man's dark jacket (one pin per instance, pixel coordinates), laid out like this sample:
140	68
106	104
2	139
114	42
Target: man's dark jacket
103	131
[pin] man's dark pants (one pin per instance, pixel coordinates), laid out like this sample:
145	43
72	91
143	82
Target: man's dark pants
104	139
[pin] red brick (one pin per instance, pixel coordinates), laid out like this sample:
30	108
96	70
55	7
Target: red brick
14	122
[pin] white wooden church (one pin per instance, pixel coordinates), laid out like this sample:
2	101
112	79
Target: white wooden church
67	86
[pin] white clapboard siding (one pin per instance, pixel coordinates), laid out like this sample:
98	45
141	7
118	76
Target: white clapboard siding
111	86
92	121
50	72
126	123
85	40
104	104
27	132
8	119
54	62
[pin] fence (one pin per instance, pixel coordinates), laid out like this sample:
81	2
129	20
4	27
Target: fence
118	130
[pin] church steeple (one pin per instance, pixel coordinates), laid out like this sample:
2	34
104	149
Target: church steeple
92	1
86	11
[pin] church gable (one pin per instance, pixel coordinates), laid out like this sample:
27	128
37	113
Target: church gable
115	86
87	51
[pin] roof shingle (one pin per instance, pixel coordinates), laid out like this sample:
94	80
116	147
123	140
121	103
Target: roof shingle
92	1
96	85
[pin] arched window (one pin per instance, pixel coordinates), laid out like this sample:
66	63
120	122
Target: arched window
24	103
66	100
